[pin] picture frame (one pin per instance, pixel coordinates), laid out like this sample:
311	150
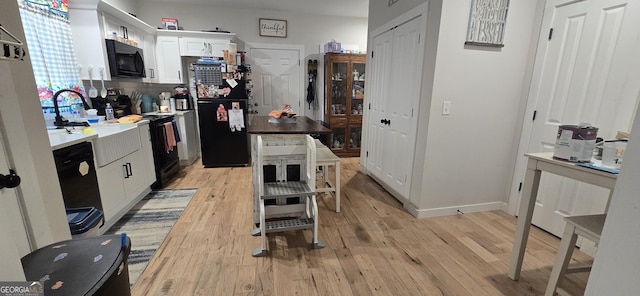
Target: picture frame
487	22
273	28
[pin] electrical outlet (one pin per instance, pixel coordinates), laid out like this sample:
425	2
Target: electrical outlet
446	107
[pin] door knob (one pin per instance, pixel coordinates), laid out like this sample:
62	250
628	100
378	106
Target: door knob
9	181
388	121
382	121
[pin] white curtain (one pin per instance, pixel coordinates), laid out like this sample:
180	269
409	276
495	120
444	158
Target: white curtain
50	46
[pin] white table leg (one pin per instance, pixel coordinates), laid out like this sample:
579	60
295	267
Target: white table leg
527	204
337	185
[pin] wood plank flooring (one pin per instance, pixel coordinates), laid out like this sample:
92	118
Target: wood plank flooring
374	247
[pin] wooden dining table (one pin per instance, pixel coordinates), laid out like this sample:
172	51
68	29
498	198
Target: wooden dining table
537	163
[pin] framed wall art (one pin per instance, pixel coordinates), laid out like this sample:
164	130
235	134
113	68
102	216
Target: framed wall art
273	28
487	20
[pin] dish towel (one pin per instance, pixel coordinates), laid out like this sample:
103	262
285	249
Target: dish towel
175	131
169	136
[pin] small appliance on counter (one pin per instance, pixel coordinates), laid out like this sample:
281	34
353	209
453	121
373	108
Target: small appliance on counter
183	99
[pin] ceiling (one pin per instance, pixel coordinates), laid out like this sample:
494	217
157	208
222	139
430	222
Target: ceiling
348	8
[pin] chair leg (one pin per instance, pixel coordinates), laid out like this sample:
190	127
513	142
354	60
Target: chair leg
337	185
262	250
317	244
565	250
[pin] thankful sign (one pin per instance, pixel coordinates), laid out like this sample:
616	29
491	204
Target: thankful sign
273	28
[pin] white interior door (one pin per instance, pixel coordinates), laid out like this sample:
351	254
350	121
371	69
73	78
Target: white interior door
276	79
13	223
377	94
397	67
581	75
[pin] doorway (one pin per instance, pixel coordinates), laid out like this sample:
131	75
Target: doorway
582	75
276	75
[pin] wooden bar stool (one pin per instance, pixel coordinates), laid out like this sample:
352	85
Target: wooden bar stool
324	159
589	227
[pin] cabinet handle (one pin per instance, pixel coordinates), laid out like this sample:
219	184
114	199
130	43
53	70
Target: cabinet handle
126	171
179	76
130	169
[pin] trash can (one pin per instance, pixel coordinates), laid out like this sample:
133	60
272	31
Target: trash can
85	266
85	222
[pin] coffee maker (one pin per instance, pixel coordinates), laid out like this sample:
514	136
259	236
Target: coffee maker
183	99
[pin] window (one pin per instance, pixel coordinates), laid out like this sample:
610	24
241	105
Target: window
50	45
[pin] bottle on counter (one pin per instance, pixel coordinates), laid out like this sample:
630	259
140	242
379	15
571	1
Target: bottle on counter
108	112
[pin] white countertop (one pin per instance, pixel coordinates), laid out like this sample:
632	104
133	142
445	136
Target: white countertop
60	138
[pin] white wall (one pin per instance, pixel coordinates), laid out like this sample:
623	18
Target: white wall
28	144
616	269
304	29
472	146
465	160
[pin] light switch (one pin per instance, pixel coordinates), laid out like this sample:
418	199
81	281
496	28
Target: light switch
446	107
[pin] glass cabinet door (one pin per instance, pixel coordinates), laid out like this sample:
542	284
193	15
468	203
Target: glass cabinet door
355	135
357	88
339	88
337	139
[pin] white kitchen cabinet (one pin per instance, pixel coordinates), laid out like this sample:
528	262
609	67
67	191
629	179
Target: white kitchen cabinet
121	183
125	181
187	147
89	42
169	62
149	51
111	189
196	47
91	25
147	151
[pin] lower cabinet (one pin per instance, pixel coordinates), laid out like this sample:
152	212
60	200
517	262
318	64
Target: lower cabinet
121	182
125	181
187	147
147	148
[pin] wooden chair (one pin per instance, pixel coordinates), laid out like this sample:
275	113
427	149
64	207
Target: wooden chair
324	159
589	227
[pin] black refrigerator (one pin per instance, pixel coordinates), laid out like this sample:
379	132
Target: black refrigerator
223	142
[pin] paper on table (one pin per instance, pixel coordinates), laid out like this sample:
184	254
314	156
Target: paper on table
599	167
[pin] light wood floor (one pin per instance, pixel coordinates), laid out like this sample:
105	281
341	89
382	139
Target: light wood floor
374	247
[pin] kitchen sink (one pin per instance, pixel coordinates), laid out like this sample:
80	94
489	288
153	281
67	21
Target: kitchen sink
115	141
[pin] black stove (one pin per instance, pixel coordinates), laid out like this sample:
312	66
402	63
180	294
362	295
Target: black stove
166	161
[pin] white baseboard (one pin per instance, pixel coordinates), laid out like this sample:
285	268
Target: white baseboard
448	211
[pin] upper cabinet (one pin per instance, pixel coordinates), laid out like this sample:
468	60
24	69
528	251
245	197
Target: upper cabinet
169	62
90	27
199	43
171	45
162	49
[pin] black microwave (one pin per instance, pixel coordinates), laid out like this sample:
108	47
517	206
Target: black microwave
125	60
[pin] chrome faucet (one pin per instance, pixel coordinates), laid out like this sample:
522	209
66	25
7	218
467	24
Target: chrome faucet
61	121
